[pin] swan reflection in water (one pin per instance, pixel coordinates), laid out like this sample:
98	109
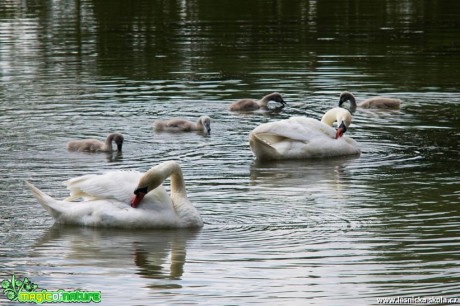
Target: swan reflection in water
310	193
156	254
309	174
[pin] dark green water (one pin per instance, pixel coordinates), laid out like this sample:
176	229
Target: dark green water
337	232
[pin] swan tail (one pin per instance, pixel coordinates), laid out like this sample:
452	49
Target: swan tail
48	203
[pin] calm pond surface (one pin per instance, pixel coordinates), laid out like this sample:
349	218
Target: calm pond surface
338	232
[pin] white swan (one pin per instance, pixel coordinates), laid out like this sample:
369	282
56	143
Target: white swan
127	199
252	104
375	102
303	138
94	145
181	125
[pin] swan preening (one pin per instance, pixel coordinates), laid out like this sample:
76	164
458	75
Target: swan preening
94	145
126	199
339	115
375	102
252	104
304	138
181	125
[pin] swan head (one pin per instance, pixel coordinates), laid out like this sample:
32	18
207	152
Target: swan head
206	122
148	182
339	115
139	194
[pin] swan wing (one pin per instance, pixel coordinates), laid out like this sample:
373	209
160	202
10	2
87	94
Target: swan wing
117	185
295	129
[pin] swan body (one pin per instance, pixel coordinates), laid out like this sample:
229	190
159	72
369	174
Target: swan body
304	138
126	199
375	102
94	145
252	104
181	125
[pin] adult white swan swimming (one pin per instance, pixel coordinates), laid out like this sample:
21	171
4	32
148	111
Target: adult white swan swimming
303	138
127	199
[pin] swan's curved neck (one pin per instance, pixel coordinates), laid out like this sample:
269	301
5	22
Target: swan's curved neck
178	192
156	176
177	181
167	169
185	211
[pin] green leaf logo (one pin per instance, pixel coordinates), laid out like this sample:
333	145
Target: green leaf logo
12	288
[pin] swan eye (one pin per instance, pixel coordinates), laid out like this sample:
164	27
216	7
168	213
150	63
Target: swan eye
140	190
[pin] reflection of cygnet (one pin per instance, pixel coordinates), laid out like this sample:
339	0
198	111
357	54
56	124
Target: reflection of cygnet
181	125
94	145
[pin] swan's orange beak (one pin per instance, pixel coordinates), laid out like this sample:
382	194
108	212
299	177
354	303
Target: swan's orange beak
341	130
339	133
137	199
139	194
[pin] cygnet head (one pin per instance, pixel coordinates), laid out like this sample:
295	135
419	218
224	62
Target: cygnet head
347	96
206	122
275	97
118	138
